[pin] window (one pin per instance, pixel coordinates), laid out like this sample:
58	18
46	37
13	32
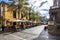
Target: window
14	14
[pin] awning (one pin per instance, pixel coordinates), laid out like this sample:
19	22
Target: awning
21	21
29	21
18	21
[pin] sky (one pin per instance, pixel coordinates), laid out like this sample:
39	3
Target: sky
4	0
44	9
36	5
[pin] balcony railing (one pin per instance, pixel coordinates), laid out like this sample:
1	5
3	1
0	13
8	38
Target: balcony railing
52	7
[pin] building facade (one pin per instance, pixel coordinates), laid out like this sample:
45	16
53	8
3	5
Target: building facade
15	17
6	14
12	17
54	21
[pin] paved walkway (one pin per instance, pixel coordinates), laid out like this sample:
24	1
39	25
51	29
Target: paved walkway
45	36
28	34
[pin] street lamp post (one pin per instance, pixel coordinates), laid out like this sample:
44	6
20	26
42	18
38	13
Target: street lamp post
2	14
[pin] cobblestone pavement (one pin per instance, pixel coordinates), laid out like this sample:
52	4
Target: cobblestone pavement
28	34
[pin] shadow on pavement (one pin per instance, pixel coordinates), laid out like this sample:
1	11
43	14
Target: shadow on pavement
46	36
14	30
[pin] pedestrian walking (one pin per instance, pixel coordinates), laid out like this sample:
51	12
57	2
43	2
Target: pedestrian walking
2	28
45	28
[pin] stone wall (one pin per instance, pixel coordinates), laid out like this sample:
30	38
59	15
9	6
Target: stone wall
54	29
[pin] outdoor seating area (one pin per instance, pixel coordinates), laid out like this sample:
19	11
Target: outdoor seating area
20	25
15	19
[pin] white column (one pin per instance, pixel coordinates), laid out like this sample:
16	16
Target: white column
1	11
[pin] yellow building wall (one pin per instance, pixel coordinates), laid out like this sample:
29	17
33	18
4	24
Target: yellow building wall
8	14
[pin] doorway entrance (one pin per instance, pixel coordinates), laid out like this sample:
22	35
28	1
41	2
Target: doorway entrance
14	23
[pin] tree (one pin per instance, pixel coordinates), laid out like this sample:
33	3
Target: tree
27	11
35	16
21	6
24	10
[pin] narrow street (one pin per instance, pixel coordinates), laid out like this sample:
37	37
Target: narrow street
44	35
35	33
28	34
29	19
